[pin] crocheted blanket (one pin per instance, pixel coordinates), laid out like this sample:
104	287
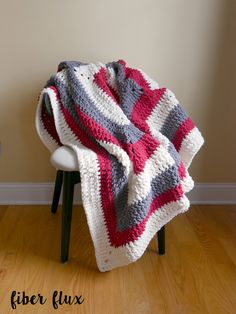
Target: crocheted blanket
134	143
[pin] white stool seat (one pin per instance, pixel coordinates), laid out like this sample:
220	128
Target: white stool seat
63	158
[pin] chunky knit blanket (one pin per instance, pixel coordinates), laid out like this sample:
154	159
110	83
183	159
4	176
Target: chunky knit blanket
134	143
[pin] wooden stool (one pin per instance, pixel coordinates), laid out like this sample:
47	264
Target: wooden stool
64	160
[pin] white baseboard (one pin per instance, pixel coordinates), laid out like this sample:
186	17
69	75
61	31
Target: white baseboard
41	193
213	193
31	194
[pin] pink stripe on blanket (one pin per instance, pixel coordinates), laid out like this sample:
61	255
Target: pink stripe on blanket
144	106
49	125
182	132
141	151
181	170
101	80
107	197
137	77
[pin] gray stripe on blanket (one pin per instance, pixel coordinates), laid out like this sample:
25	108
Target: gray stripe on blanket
129	90
131	95
174	119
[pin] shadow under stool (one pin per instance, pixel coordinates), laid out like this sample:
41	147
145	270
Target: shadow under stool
64	160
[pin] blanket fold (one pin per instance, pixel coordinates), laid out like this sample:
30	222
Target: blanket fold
134	143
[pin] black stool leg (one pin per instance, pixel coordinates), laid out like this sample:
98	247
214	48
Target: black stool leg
57	191
161	241
67	203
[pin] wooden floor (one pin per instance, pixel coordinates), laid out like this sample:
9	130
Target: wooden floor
196	275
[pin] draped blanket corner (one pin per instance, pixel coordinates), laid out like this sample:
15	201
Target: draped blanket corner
134	143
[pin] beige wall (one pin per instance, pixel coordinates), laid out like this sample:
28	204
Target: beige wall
186	45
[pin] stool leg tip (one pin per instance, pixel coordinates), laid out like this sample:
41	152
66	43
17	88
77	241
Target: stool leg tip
64	260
